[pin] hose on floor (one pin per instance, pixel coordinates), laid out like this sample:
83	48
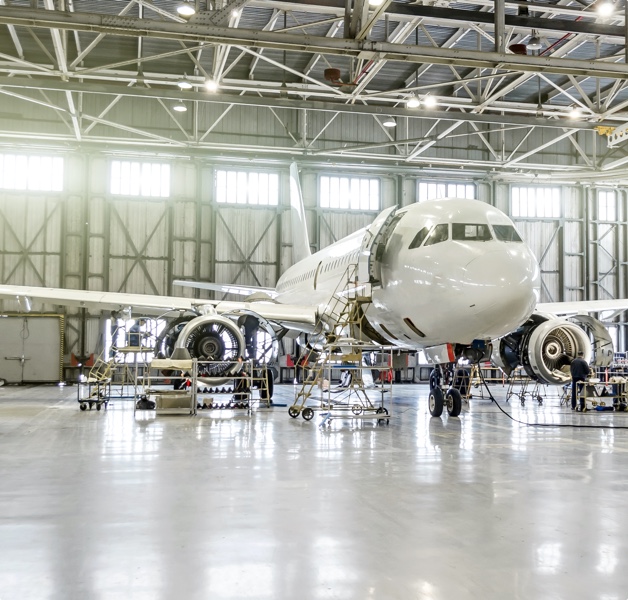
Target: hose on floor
564	425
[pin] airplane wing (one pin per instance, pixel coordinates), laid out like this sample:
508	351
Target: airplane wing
289	315
584	306
241	290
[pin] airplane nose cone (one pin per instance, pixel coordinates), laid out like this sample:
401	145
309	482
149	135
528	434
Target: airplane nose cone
501	290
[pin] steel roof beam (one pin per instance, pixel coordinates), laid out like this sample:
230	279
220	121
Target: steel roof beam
129	26
114	90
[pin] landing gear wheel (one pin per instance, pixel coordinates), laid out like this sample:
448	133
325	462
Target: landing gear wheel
356	409
293	411
454	402
83	406
435	402
308	414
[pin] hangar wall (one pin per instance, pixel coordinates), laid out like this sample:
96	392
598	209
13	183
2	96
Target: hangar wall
86	237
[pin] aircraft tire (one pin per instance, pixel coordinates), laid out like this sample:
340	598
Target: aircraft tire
435	402
454	402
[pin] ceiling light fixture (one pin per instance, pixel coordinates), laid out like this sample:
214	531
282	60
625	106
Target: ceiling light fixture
389	122
235	13
574	113
413	102
429	101
185	9
534	43
211	85
180	107
605	8
184	83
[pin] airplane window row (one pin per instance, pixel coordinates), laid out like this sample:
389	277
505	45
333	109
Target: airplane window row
467	232
353	257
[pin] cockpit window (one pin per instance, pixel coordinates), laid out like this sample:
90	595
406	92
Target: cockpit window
418	238
439	234
471	232
506	233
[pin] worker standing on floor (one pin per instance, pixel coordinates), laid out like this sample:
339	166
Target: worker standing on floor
580	370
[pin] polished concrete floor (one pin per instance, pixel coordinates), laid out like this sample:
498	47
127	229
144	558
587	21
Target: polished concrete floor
99	505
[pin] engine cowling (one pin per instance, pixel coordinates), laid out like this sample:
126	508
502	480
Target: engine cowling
213	338
545	348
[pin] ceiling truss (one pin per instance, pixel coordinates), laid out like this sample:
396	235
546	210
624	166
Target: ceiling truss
272	56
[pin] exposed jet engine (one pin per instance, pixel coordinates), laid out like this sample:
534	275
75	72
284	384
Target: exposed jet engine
545	347
219	339
213	338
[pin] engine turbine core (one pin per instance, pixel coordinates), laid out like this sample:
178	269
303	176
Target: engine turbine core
216	339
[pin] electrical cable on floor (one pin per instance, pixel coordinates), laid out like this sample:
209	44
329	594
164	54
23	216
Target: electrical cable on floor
568	425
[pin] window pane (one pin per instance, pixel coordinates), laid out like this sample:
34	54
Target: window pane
244	187
537	202
353	193
506	233
254	189
133	178
439	234
435	190
470	232
324	192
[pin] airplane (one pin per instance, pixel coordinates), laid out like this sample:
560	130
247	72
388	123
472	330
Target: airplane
450	276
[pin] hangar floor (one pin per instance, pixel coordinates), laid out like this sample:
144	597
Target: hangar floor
99	505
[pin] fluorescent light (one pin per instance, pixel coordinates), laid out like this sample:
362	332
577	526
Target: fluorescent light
605	8
185	9
389	122
180	107
413	102
211	85
429	101
235	13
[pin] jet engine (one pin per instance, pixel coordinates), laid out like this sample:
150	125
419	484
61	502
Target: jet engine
213	338
545	347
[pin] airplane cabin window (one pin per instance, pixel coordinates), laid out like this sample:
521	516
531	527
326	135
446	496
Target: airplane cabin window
418	239
439	234
467	232
506	233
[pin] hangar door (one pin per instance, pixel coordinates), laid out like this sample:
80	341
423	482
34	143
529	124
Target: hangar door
31	348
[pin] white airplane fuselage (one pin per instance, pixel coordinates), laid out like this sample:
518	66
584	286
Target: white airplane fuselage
470	279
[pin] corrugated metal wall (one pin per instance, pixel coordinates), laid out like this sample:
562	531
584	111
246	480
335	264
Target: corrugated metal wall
87	238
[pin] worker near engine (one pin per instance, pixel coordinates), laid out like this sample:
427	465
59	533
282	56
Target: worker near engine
580	370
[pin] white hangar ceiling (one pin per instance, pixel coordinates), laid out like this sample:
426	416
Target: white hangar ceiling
317	80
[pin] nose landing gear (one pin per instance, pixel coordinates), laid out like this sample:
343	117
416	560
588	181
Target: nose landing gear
452	399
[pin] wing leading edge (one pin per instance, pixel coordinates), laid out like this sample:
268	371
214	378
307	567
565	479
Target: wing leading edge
289	315
584	306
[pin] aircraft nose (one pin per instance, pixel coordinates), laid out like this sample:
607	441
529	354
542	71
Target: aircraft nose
501	289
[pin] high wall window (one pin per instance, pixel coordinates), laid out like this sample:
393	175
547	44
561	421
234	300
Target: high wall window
247	187
133	178
352	193
432	190
606	205
539	202
25	172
